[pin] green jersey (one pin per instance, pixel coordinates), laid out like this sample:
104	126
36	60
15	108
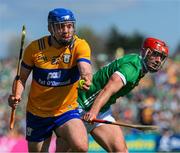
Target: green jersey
129	68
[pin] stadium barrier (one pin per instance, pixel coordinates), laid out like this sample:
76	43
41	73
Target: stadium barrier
138	142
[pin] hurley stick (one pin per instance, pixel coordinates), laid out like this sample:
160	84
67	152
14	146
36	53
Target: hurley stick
12	119
139	127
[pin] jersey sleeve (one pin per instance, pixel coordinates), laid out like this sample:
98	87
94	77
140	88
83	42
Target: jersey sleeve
27	60
83	52
129	72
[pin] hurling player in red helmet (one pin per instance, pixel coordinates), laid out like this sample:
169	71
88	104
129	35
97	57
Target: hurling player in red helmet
115	80
112	81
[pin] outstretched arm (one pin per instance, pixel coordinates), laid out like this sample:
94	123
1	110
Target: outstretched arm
114	84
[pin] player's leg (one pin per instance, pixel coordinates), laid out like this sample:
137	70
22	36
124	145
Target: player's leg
38	133
73	132
62	145
42	146
74	135
110	137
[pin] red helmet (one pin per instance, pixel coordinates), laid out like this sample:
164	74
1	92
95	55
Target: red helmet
156	44
153	48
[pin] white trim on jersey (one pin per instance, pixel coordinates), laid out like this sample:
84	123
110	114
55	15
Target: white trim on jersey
121	76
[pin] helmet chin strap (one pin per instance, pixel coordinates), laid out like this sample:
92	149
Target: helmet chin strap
145	69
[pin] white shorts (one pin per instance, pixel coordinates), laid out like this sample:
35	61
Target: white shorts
104	116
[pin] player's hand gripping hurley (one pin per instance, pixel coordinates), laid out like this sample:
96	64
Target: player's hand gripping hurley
139	127
12	119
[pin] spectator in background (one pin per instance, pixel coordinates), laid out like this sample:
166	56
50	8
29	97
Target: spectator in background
147	110
165	141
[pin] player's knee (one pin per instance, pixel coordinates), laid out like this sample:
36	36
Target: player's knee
117	147
83	147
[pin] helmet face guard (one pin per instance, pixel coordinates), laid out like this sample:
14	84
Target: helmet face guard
154	54
63	37
61	23
150	61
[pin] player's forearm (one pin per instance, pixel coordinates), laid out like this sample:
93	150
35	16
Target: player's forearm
85	70
18	88
19	84
86	74
114	85
101	100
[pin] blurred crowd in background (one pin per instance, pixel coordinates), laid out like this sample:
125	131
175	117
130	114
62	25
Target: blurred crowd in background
155	101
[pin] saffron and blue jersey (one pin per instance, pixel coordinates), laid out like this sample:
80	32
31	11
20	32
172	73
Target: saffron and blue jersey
55	75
